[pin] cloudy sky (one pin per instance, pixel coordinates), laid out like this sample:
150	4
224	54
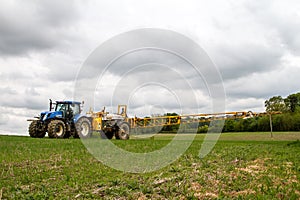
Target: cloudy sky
255	45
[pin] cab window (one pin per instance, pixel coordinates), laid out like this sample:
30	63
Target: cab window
75	108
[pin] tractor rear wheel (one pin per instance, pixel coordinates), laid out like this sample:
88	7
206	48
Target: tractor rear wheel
56	129
123	132
83	127
34	132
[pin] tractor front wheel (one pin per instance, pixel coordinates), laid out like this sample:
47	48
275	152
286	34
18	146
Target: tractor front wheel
83	127
56	129
34	132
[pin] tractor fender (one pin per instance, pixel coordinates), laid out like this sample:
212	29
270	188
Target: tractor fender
79	116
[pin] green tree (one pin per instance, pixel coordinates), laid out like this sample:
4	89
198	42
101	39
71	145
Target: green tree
275	103
293	102
238	125
263	123
250	124
229	125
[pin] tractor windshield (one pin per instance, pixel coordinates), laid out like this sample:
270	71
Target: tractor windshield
61	107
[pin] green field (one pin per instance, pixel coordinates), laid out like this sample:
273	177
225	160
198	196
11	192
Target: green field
241	166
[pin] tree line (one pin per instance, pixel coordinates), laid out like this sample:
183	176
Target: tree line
289	120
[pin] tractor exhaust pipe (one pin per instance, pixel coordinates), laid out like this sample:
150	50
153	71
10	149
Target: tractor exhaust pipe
50	106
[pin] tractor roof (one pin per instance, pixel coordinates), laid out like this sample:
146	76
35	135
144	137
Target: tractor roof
69	102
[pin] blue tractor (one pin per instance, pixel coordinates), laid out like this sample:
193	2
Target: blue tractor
63	120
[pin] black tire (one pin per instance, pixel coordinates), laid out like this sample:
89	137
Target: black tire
107	135
83	127
41	134
33	132
75	135
56	129
123	132
67	134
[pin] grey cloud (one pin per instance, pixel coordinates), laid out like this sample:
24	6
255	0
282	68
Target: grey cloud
7	91
3	119
265	85
146	66
257	41
285	26
16	75
13	123
245	104
35	25
58	13
242	60
68	92
24	102
289	30
32	92
30	99
128	50
62	74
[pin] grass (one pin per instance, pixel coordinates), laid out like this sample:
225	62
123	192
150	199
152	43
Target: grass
241	166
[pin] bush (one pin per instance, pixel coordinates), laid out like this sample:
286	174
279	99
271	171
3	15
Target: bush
202	129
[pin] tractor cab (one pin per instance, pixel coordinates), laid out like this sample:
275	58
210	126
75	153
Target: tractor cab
66	110
69	109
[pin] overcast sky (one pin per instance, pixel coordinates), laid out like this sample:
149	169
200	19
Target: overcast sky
43	45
